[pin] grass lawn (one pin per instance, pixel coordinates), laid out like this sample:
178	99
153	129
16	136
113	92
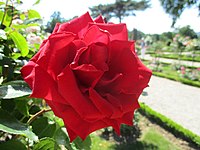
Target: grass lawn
99	143
152	138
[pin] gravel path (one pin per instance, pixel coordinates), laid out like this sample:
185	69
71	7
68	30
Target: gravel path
175	100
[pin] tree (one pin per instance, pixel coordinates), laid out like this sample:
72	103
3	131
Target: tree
55	18
187	31
176	7
136	34
120	9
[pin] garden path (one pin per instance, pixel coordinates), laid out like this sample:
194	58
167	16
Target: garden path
177	101
165	60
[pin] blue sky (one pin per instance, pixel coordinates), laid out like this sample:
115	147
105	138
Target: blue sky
152	20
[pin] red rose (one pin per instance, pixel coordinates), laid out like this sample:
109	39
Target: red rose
89	74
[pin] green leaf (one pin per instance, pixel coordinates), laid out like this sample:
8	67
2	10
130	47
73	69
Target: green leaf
59	121
50	115
8	105
62	138
16	55
22	16
24	26
22	106
18	1
20	42
7	19
46	144
32	14
2	3
37	2
42	128
84	145
14	89
1	15
11	125
12	145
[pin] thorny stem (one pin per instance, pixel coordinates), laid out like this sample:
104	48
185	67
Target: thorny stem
37	114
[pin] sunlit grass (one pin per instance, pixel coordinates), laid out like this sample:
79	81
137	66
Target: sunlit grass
151	139
99	143
155	138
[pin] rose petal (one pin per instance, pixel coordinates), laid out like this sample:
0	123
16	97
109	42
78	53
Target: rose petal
57	111
122	103
78	125
118	111
122	60
77	26
41	83
95	35
79	44
87	75
28	73
41	51
57	53
117	31
99	19
102	104
144	74
81	127
97	55
128	102
56	28
127	118
69	89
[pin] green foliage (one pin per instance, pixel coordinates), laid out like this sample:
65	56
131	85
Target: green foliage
14	89
12	145
32	14
86	144
155	138
176	7
46	144
99	143
43	128
55	18
182	57
187	31
120	9
11	125
169	71
175	128
177	78
136	34
20	42
61	137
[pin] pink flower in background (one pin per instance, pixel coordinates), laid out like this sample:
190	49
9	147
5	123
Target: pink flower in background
182	70
34	39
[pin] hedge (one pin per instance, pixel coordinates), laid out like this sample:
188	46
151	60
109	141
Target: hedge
175	78
170	125
173	56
